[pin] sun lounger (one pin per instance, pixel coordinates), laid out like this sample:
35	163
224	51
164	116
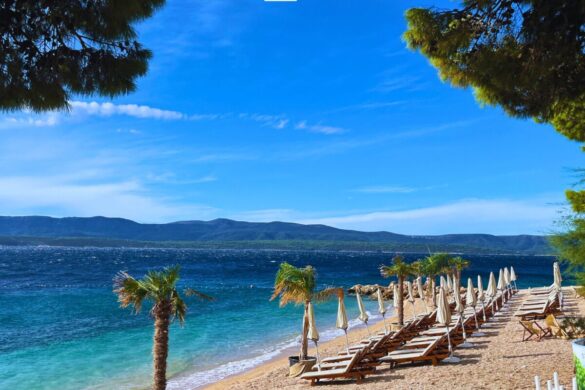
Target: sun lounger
533	329
556	330
351	369
431	349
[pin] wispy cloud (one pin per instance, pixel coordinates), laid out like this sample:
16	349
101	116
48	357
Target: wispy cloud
496	216
319	128
134	110
62	196
386	190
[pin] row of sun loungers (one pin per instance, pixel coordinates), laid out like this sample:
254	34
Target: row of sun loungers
421	339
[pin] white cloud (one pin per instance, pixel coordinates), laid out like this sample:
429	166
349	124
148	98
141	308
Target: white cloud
495	216
318	128
134	110
45	120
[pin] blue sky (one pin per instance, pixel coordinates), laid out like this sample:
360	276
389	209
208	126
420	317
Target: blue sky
312	112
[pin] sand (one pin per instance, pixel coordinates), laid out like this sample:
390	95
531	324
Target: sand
499	360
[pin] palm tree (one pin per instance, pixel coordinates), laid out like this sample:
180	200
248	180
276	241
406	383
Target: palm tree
297	285
401	270
458	264
158	287
433	265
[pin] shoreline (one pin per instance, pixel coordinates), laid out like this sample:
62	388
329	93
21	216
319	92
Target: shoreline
281	360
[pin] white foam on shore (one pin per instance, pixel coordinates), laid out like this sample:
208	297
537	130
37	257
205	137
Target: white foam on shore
193	380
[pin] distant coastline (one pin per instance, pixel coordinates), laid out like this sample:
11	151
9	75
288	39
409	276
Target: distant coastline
104	232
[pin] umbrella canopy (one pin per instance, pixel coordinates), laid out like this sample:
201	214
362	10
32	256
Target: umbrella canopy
443	283
381	305
459	307
513	277
507	276
341	316
419	286
363	315
480	295
501	284
410	291
313	334
449	283
395	293
557	275
491	288
470	297
443	312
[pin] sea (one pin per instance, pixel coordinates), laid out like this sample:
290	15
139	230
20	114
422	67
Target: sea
61	326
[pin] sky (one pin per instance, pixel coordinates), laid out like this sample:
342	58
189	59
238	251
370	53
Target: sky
308	111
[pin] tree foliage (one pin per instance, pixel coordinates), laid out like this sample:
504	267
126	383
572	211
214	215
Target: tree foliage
527	56
299	286
50	50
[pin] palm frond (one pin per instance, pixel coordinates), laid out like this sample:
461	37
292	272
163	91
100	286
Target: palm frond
178	307
327	293
198	294
130	291
293	284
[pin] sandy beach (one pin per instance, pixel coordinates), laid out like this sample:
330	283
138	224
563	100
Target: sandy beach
499	360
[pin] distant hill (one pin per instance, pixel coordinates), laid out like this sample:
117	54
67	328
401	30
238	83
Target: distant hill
102	231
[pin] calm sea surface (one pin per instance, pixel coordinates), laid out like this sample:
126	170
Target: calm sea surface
61	327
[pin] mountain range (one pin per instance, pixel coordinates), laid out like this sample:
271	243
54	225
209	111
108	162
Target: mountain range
226	233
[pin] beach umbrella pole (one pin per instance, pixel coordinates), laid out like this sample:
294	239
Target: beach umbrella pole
451	358
368	329
466	344
384	320
346	340
318	359
479	333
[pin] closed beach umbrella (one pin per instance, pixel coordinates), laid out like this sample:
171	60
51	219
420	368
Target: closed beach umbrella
450	284
444	318
492	290
443	283
501	284
557	281
363	315
557	275
470	297
481	296
513	278
460	308
395	294
507	281
341	322
411	298
471	300
421	293
382	309
313	334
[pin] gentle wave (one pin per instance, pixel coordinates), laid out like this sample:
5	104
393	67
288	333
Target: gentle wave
202	378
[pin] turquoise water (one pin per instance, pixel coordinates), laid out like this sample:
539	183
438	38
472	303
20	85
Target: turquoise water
62	327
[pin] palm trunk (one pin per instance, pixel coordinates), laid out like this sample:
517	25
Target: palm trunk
304	340
401	301
160	350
